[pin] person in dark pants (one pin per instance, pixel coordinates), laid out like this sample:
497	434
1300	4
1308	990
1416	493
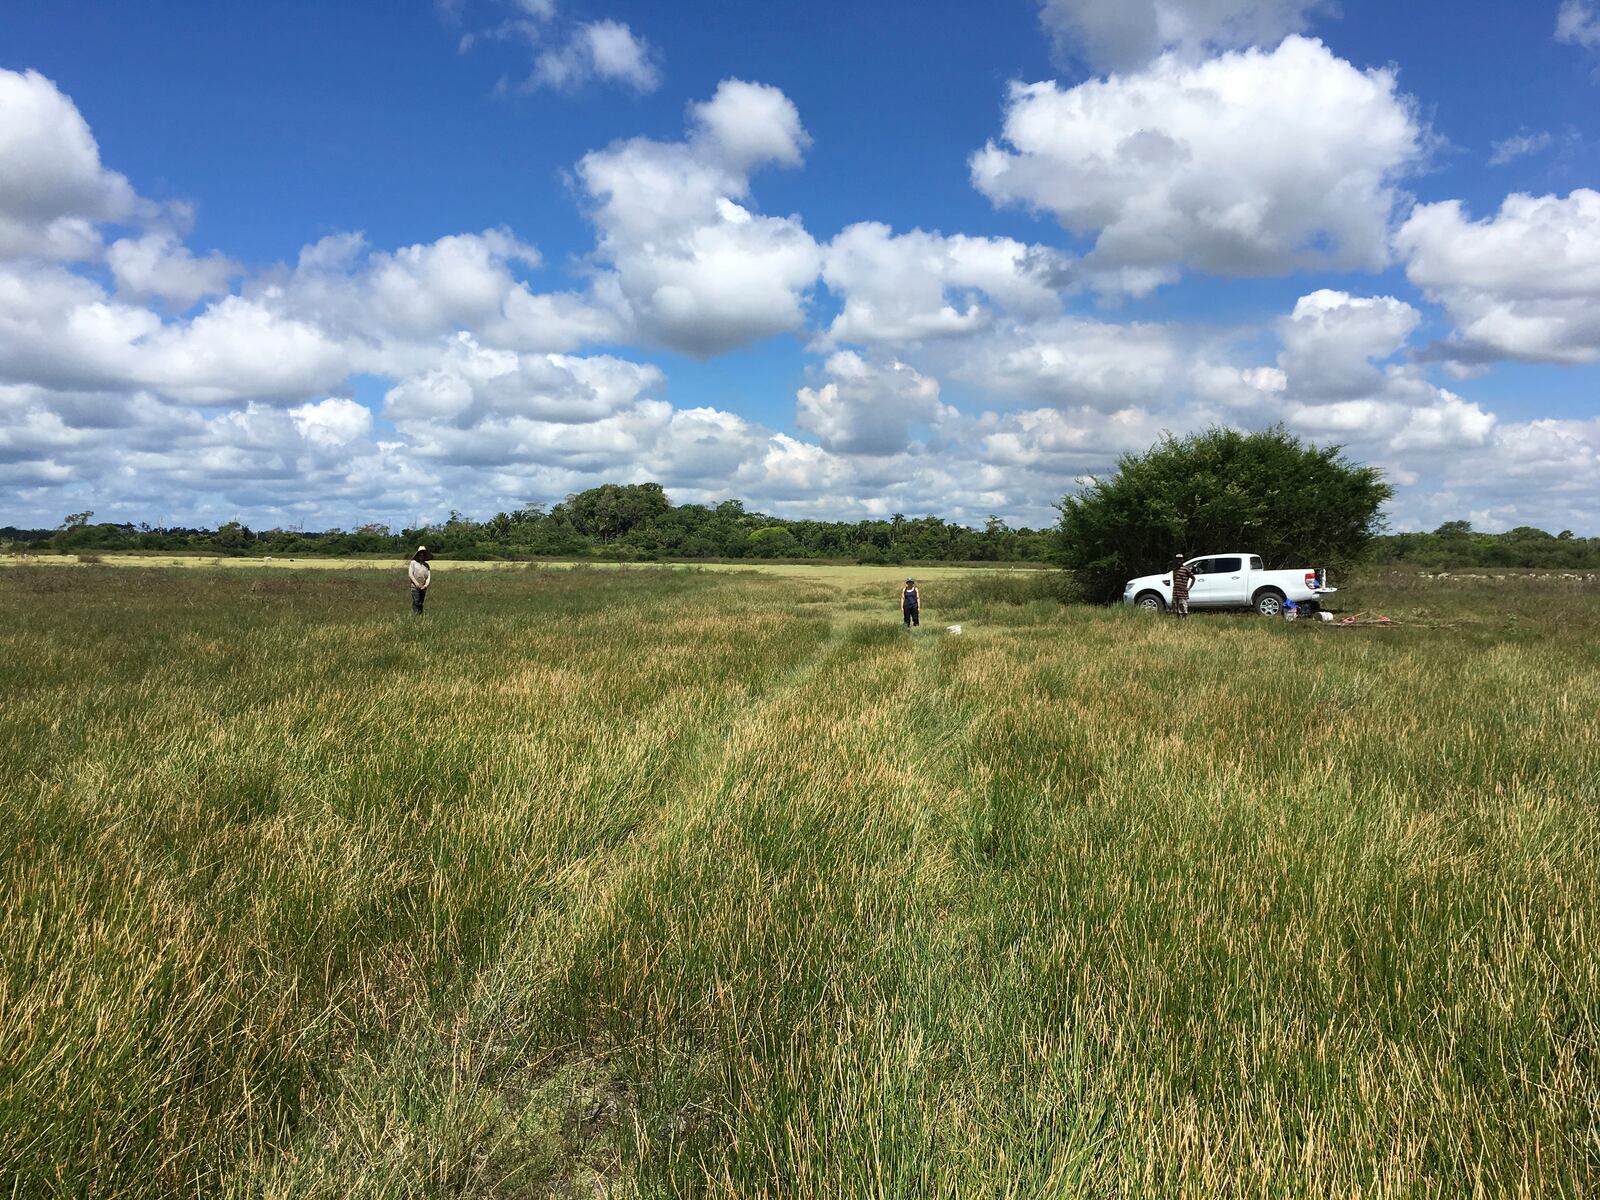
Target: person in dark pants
420	576
1182	581
911	604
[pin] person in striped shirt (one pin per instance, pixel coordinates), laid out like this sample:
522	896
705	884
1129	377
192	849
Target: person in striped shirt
1182	581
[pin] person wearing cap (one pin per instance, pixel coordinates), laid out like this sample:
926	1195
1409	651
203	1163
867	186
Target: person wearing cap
911	604
1182	581
420	575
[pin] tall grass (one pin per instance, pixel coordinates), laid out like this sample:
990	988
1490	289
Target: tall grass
664	884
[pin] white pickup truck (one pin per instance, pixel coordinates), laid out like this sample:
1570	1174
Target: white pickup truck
1233	581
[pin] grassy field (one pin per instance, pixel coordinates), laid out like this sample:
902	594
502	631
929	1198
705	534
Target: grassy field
837	574
667	883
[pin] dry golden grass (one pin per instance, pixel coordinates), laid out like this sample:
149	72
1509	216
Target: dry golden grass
835	574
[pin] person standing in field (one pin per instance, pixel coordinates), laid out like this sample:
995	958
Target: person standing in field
1182	581
911	604
420	576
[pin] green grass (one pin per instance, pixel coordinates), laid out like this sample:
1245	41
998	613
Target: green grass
671	883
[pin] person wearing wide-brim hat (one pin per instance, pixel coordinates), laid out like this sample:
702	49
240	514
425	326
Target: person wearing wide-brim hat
421	575
911	604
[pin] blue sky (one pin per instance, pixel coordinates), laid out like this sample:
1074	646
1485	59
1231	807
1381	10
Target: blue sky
763	251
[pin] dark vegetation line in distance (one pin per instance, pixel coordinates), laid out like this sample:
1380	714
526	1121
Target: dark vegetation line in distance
638	523
619	522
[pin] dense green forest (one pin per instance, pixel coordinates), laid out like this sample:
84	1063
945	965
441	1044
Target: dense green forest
637	522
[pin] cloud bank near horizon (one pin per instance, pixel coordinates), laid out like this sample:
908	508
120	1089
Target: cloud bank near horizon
148	378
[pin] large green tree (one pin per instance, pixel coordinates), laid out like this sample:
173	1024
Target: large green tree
1268	493
607	512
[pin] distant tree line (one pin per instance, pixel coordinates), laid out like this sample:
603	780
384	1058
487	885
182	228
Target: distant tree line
637	523
627	522
1456	544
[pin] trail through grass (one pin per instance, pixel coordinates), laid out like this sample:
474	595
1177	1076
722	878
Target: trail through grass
690	884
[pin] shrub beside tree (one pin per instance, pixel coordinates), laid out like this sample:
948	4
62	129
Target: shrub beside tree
1268	493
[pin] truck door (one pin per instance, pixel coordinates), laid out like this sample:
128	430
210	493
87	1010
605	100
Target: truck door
1219	582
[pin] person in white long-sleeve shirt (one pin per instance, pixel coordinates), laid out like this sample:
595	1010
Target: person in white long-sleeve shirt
420	575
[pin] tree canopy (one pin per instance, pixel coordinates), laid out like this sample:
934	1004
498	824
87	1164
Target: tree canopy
613	521
607	512
1268	493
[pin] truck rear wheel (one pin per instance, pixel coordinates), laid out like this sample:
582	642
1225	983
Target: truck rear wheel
1269	602
1150	602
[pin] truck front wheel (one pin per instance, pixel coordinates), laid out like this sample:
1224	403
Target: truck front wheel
1269	602
1150	602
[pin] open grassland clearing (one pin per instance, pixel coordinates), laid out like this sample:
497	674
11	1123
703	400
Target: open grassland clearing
836	574
658	883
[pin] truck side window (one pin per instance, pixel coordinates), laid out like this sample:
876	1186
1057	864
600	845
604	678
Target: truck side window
1255	562
1226	566
1202	566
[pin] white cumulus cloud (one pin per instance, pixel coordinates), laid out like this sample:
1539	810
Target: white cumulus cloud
608	51
1332	341
393	307
53	189
693	265
1074	362
159	265
567	54
470	383
1060	445
332	422
62	330
1250	163
917	285
238	348
866	407
1523	284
